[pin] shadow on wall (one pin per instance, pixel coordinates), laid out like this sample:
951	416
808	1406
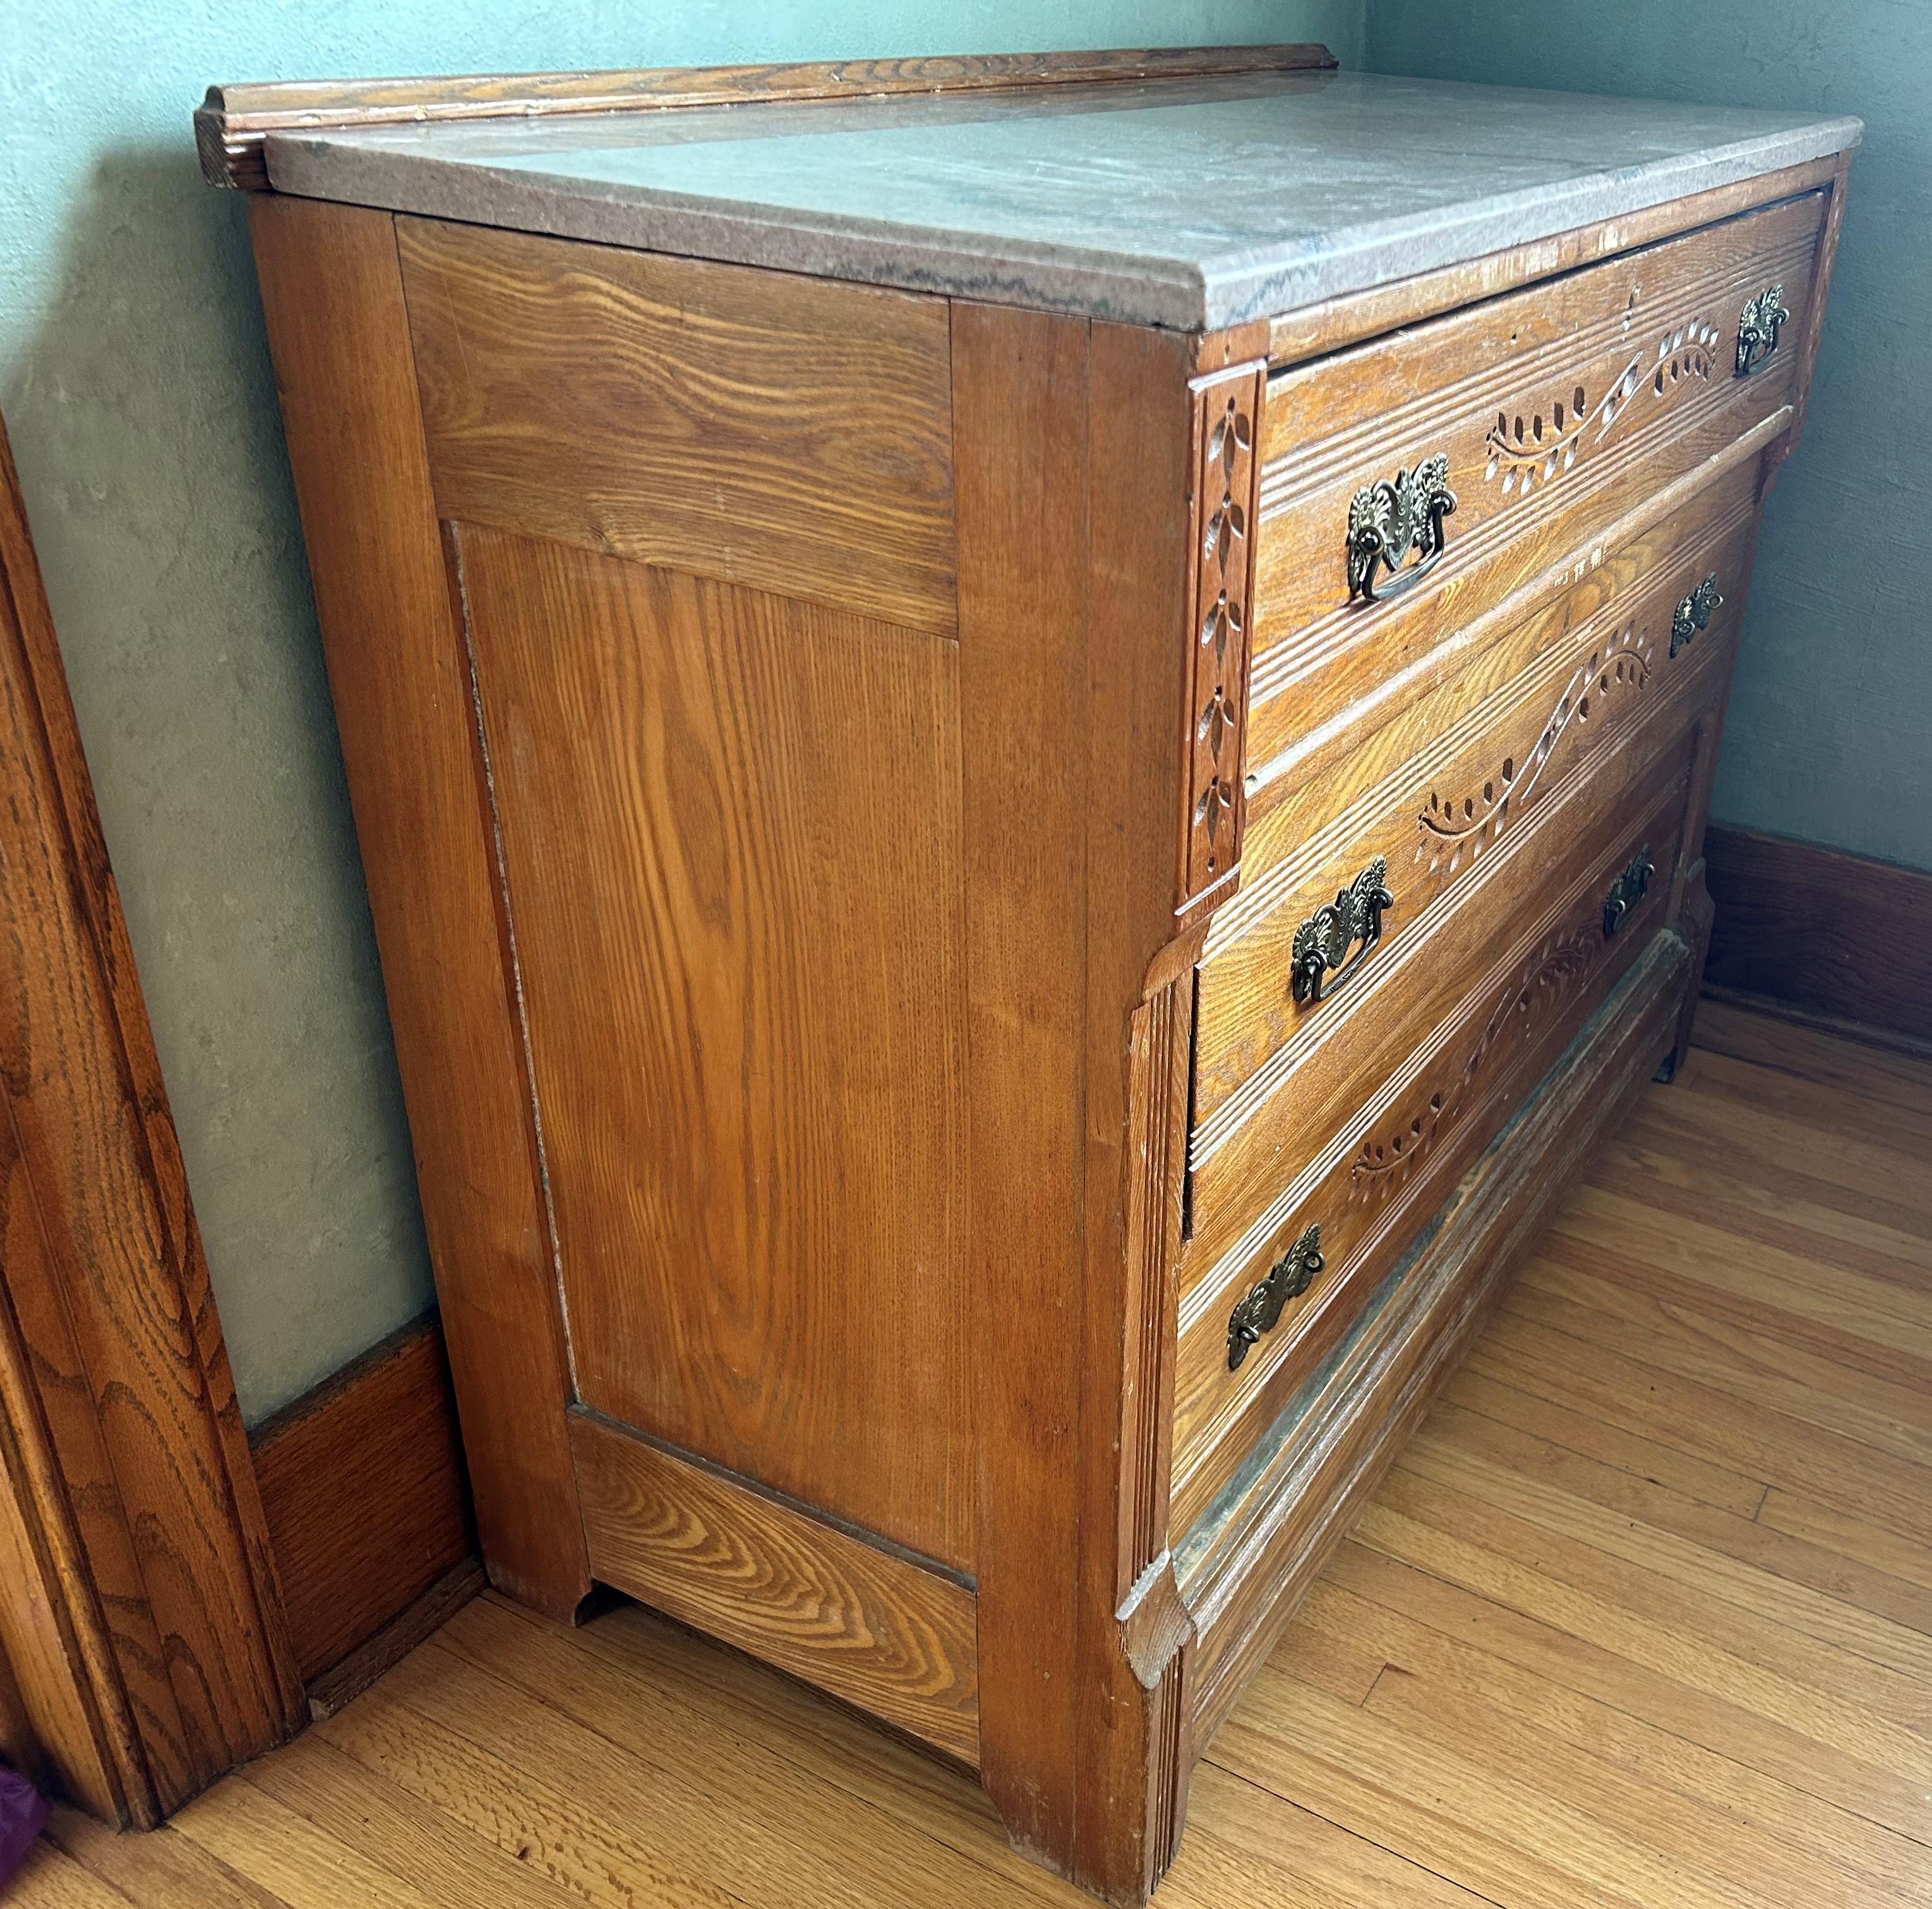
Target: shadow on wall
143	411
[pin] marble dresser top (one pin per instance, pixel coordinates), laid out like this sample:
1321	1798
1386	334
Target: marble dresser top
1194	203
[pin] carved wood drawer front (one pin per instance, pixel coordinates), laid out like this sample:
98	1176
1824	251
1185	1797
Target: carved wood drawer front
1556	410
1509	1001
1432	795
1265	1137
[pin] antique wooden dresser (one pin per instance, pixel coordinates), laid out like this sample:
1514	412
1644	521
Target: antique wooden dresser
1031	737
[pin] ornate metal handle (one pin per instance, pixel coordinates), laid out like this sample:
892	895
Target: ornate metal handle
1626	891
1321	941
1388	521
1764	317
1259	1310
1693	614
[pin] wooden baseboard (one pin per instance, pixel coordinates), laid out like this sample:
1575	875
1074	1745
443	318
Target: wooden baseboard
366	1499
1836	940
395	1642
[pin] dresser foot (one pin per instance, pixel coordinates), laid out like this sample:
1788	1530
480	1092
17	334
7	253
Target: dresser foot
1125	1833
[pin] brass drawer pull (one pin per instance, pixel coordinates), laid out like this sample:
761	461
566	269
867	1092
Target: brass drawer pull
1626	891
1764	318
1260	1310
1321	941
1387	521
1693	614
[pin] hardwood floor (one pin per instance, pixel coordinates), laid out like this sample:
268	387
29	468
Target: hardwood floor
1642	1619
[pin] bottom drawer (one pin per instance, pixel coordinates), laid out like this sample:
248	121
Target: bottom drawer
1251	1336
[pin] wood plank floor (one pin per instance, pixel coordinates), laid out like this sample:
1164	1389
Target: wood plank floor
1642	1619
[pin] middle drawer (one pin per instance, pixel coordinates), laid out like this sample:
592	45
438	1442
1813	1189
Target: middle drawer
1435	797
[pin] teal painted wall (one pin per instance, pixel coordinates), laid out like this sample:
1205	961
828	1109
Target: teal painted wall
135	380
1829	736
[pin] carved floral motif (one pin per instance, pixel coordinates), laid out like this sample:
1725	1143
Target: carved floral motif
1457	827
1537	446
1227	409
1546	981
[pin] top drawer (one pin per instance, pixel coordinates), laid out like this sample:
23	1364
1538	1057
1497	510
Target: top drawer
1552	412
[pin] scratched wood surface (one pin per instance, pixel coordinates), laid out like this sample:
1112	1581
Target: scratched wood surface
1643	1617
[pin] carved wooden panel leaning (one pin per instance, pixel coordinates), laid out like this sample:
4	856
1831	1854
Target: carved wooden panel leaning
1026	911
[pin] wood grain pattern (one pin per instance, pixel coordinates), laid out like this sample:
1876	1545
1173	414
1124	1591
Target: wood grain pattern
1075	675
1454	1710
1837	936
1458	389
791	434
123	1421
332	291
364	1488
730	829
839	669
67	1709
232	122
381	1651
1545	572
896	1637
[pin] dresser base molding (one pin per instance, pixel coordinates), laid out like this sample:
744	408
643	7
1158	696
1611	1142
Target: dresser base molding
897	1638
1244	1570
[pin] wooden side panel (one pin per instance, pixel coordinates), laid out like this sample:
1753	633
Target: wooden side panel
730	830
791	433
1020	412
332	289
111	1303
880	1631
364	1488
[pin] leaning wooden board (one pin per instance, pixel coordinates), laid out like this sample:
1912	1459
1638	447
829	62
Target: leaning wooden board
1032	752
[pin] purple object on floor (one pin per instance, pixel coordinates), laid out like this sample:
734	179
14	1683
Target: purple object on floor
23	1815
